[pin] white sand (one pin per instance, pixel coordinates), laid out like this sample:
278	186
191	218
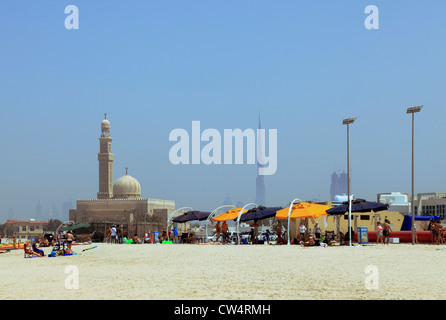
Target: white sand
228	272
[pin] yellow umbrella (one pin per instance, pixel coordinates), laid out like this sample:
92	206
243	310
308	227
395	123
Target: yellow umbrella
229	215
303	210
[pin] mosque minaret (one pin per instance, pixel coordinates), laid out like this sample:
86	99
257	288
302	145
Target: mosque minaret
105	158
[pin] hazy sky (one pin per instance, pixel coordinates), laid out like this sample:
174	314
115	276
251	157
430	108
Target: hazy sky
155	66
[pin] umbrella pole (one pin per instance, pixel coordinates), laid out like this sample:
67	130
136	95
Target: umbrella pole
289	214
238	219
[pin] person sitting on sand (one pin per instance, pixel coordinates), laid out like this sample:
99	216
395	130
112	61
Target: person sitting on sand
280	240
309	243
327	242
29	250
136	239
36	250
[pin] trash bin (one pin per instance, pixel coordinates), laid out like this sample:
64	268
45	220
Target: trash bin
156	237
363	235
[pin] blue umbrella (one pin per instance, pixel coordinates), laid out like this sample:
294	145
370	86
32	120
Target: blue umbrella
191	216
259	213
358	205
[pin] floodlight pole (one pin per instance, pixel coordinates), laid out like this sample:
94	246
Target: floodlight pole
348	122
413	110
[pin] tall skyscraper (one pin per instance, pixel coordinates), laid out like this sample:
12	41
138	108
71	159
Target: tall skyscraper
38	216
260	182
66	206
338	184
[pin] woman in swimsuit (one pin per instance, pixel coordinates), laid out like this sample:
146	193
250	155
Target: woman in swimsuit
379	234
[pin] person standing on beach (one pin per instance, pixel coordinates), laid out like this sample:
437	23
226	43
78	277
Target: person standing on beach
386	231
302	230
113	235
107	237
278	230
70	238
379	233
317	231
225	230
175	235
218	231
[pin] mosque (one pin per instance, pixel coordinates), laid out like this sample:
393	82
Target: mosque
119	202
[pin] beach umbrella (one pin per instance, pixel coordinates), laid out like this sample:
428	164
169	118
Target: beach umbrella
259	213
358	205
75	226
229	215
303	210
192	216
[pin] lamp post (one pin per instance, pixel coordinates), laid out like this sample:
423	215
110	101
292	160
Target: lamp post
347	122
413	110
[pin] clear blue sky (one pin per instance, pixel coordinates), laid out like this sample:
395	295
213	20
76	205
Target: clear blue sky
154	66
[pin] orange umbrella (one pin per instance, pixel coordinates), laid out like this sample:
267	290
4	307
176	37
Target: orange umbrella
299	209
229	215
303	210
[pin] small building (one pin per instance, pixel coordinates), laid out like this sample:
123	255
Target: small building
25	229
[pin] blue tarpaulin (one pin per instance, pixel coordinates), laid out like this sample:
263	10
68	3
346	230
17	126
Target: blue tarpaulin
407	222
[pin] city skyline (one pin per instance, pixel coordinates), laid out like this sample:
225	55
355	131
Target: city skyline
154	66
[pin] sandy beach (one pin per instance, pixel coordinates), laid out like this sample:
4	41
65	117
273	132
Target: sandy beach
213	272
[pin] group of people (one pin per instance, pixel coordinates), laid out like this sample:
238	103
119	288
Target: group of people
222	230
114	235
32	249
305	237
383	232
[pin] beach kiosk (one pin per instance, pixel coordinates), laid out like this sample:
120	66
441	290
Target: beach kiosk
363	235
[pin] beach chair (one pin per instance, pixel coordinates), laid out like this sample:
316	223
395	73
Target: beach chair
330	235
184	235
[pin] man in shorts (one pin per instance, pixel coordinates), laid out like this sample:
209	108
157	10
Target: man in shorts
113	234
386	231
225	229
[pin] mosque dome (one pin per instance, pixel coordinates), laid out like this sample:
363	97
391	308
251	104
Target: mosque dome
126	187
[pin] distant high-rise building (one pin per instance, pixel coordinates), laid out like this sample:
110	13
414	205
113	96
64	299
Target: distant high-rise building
38	216
66	206
338	184
11	214
227	201
260	182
